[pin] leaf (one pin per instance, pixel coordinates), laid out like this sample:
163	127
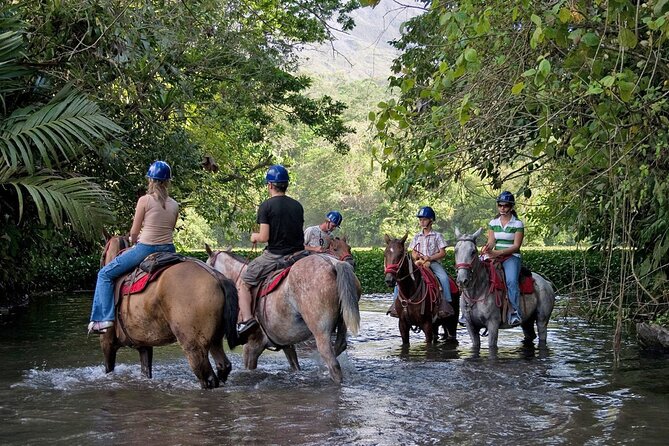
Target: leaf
627	38
564	15
518	88
535	19
471	55
626	89
607	81
371	116
590	39
544	68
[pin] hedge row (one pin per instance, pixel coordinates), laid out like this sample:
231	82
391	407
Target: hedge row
564	267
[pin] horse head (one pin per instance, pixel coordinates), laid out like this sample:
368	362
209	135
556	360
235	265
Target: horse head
340	249
466	256
113	247
393	258
225	262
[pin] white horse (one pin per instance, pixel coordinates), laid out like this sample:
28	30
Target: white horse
482	305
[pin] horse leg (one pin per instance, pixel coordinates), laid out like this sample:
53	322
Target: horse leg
430	335
291	356
493	331
474	335
404	331
340	342
223	364
528	330
542	328
198	358
109	349
251	352
146	359
327	353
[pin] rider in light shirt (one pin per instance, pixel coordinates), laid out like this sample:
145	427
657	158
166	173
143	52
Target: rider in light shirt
315	237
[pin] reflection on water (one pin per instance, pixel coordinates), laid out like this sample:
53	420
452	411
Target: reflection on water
53	389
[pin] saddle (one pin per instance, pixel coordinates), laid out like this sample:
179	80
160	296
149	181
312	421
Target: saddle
147	271
498	284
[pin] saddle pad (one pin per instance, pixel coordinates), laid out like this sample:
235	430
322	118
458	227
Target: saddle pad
453	286
273	281
526	285
142	279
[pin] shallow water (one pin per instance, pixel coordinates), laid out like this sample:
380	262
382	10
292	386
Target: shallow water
53	389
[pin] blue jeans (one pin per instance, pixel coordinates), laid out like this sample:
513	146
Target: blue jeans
442	276
103	300
512	272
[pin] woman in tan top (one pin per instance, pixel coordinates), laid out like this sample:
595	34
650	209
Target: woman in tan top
155	217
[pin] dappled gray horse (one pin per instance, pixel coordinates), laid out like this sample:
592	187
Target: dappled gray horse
482	307
319	296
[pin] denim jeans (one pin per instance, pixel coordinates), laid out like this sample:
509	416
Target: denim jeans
442	276
103	300
512	272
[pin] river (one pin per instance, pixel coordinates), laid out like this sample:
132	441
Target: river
53	389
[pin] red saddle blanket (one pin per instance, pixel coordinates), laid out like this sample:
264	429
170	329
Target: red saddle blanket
272	282
496	273
140	281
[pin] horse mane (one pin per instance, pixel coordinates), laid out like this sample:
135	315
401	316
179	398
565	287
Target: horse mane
237	257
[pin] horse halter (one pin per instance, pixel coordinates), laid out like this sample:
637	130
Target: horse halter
467	265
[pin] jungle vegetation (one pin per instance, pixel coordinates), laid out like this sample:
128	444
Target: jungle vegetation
563	102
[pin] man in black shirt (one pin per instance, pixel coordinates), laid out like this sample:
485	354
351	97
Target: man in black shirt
281	219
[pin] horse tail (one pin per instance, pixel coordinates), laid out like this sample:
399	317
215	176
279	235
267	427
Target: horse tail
348	295
230	309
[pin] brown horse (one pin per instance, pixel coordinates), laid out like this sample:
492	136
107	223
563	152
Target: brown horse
340	249
319	296
417	304
189	303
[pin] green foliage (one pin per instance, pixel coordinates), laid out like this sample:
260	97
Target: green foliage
568	98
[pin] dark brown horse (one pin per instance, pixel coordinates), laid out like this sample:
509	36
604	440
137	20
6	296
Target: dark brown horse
417	304
189	303
318	297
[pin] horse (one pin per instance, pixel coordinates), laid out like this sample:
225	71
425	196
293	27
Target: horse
483	305
340	249
189	303
417	304
318	297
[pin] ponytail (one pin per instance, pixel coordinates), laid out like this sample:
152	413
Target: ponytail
158	189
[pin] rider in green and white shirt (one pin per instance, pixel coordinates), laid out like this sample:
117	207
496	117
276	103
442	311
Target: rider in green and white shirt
505	236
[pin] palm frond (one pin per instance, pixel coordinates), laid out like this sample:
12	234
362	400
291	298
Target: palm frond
76	200
62	129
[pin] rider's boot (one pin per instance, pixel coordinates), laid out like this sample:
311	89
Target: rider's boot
445	309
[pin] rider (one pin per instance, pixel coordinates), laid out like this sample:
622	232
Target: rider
505	236
155	217
430	246
281	219
315	237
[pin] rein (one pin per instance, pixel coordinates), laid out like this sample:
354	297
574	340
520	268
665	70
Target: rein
426	290
492	279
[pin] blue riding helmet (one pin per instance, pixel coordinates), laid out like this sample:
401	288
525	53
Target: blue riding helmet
506	197
159	170
277	174
426	212
335	217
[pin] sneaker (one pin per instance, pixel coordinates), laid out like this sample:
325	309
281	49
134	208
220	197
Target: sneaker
462	321
514	319
245	326
392	311
99	327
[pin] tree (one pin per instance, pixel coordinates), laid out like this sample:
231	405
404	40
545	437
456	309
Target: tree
565	96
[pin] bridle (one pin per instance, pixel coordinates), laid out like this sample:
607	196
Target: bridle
467	265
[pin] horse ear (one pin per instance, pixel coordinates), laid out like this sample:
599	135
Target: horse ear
386	238
208	249
477	233
344	239
458	234
404	239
